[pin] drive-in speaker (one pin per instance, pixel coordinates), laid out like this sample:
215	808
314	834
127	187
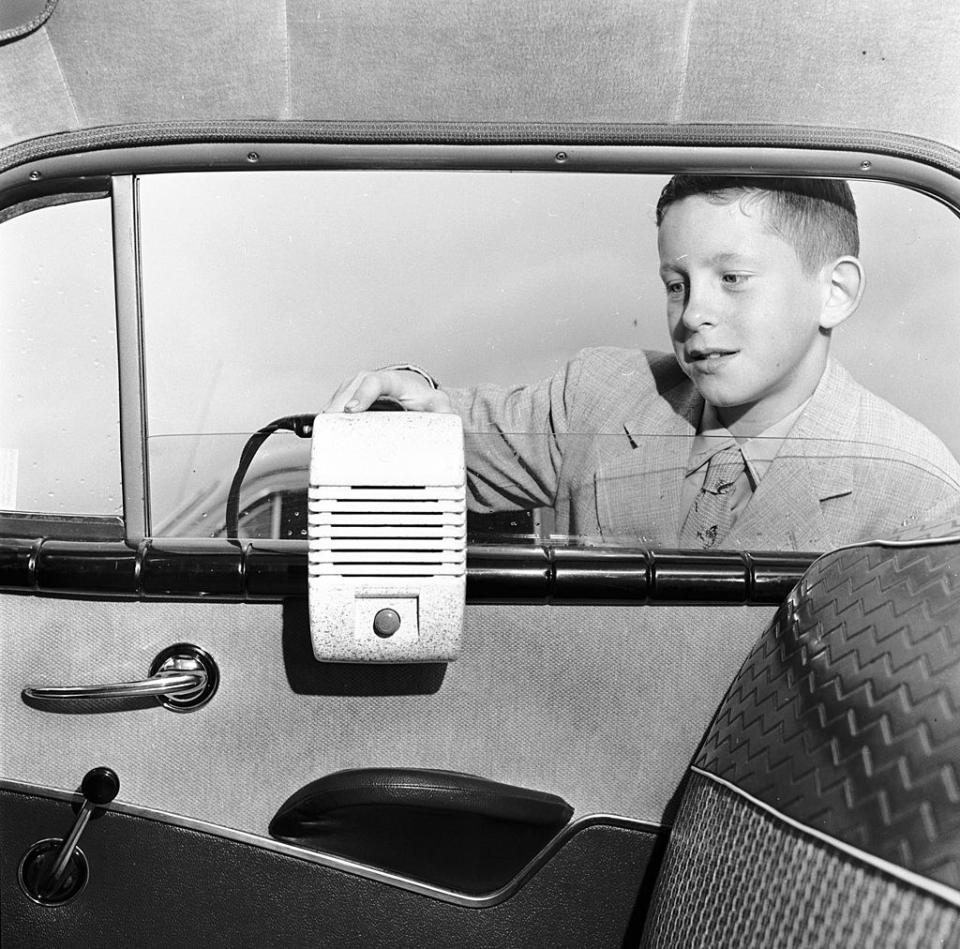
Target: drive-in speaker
387	537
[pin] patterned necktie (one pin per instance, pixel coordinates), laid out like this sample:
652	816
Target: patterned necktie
711	516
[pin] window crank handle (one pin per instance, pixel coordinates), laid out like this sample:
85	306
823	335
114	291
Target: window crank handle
99	787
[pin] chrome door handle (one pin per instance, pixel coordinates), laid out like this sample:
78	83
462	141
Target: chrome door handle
163	683
182	677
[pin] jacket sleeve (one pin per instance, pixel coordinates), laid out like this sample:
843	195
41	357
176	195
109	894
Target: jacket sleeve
514	438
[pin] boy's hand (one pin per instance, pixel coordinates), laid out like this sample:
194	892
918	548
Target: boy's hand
408	388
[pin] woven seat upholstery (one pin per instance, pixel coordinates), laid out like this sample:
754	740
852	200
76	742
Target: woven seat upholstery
734	875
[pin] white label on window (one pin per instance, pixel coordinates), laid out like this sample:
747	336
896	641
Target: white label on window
9	464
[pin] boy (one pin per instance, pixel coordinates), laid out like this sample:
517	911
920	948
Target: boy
749	435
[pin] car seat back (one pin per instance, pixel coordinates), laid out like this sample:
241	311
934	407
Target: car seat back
822	807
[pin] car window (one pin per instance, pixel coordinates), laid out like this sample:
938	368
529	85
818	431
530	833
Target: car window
59	428
263	291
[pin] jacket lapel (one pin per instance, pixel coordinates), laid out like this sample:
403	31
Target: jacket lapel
638	490
811	468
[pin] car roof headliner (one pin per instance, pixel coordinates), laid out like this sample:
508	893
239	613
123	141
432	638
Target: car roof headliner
889	67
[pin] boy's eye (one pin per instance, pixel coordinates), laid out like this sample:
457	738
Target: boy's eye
675	287
735	279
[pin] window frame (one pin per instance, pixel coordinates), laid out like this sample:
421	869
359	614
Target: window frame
17	199
221	570
600	158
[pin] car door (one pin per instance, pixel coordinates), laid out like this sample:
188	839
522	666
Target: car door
574	700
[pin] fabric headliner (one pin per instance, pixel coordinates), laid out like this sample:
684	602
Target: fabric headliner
889	65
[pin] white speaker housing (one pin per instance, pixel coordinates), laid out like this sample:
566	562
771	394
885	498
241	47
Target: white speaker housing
387	537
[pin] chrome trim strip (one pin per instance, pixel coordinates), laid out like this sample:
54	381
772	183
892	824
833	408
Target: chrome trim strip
940	890
133	420
340	863
558	156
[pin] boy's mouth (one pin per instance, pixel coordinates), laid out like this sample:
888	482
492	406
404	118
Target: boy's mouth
711	355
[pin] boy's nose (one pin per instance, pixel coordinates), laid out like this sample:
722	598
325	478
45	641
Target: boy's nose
699	310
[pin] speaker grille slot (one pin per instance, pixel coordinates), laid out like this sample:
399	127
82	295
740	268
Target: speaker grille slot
387	530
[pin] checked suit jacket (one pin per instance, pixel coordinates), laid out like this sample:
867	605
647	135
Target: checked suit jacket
605	442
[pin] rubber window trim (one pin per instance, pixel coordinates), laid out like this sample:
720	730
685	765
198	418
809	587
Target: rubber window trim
272	571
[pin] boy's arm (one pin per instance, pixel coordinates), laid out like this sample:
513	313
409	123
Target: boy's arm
514	440
512	433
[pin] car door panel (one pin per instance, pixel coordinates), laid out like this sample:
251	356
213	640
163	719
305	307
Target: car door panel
188	887
601	706
604	707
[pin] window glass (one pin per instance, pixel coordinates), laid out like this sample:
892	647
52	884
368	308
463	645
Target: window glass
59	429
263	291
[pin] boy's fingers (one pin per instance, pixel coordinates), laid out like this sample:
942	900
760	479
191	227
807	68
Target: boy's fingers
357	394
410	389
372	386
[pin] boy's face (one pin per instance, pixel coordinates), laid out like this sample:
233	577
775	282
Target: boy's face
744	318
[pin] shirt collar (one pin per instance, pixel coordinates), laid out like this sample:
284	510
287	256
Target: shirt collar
758	450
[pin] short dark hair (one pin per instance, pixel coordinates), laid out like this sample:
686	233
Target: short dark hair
816	216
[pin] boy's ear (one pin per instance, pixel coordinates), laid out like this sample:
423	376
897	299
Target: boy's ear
843	283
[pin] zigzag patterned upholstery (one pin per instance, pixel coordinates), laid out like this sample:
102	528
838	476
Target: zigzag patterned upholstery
823	808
